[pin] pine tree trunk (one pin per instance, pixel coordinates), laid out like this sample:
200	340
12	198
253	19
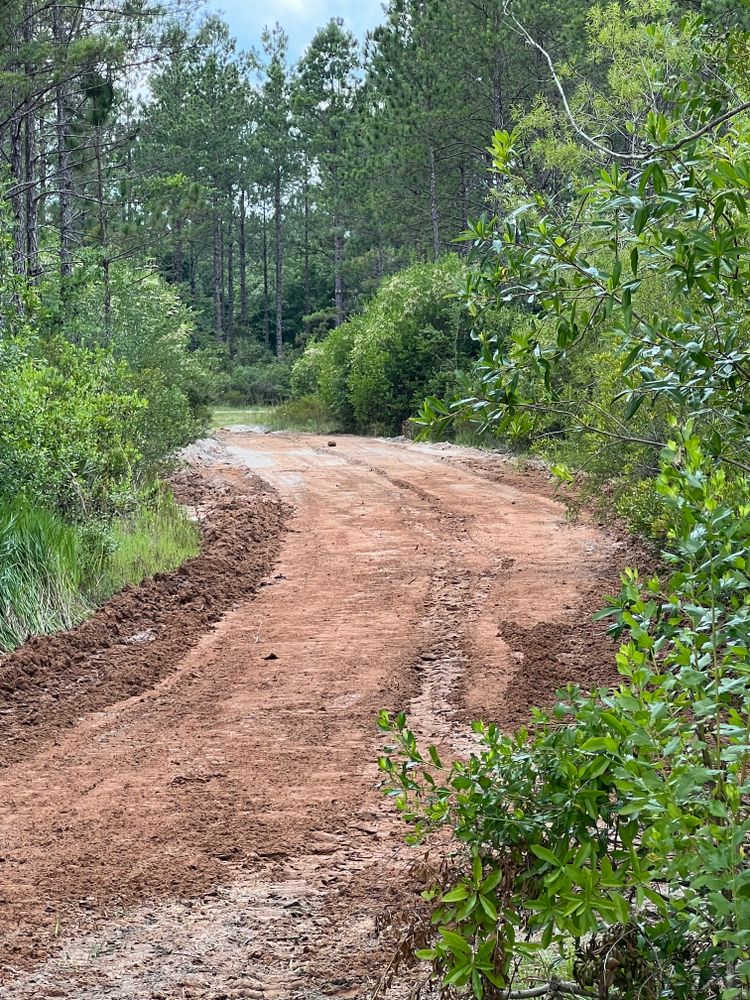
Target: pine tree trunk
463	194
497	71
32	202
64	170
17	195
30	157
434	213
230	289
178	256
243	265
193	271
103	234
223	295
266	305
217	277
279	262
42	171
15	156
379	264
306	274
338	275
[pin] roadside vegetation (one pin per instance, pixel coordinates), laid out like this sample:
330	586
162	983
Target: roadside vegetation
613	831
84	428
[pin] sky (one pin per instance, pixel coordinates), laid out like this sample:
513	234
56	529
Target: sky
299	18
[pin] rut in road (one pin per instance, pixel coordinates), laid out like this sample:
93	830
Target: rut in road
219	834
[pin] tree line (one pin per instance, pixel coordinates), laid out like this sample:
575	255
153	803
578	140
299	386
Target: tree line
275	195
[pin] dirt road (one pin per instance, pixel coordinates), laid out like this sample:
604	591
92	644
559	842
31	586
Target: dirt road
218	834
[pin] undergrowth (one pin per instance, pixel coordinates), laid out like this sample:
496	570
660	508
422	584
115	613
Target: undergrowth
308	413
40	574
154	539
54	574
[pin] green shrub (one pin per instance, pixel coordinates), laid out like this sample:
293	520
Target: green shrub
69	420
335	369
258	384
410	344
305	378
152	330
620	821
308	413
374	371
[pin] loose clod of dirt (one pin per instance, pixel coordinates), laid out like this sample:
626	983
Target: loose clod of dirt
188	805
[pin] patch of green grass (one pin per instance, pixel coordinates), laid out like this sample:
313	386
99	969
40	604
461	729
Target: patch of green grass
154	539
307	413
53	574
40	574
256	416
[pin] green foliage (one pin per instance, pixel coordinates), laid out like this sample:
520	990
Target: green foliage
83	425
152	330
40	574
621	819
332	363
372	371
257	377
622	815
53	574
636	309
157	536
307	413
66	425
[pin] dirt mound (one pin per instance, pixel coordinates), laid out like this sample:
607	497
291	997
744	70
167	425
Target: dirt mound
138	637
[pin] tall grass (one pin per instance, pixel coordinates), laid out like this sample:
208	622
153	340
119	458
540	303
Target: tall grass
53	574
154	539
40	574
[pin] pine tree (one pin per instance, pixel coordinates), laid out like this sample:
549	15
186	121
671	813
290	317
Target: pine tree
325	90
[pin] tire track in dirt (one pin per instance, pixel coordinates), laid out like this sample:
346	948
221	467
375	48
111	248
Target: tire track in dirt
219	835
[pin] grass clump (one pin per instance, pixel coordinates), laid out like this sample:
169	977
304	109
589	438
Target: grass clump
53	574
156	538
40	574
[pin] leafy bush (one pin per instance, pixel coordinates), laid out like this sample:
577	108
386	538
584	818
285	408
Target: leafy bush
334	367
622	819
620	822
373	371
152	330
86	415
68	426
308	413
305	378
258	384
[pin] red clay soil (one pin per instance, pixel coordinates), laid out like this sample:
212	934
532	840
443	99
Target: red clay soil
138	636
190	812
